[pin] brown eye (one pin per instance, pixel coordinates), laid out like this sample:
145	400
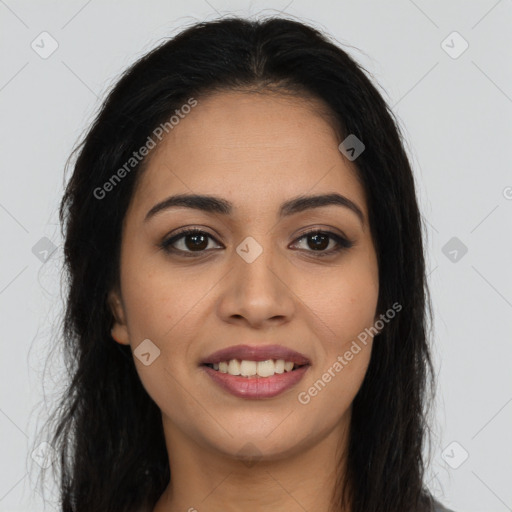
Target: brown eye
319	241
197	241
188	241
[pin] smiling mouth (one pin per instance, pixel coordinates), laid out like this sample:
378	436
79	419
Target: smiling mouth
255	369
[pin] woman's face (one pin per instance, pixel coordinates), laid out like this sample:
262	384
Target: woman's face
250	278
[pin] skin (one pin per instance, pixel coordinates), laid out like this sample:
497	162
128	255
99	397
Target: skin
257	151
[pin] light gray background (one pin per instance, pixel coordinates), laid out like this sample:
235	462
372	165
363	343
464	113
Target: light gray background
455	114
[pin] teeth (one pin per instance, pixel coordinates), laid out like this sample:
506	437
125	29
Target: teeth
251	368
266	368
288	366
234	367
248	368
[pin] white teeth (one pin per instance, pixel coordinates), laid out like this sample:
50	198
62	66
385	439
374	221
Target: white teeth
265	368
234	367
251	368
248	368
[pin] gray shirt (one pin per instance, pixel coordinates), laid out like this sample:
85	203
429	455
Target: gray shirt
438	507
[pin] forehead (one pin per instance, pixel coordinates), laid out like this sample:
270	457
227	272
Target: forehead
251	148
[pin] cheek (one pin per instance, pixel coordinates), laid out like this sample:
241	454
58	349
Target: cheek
330	396
160	299
336	380
163	308
343	301
344	308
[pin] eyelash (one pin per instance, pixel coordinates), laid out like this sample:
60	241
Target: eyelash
166	245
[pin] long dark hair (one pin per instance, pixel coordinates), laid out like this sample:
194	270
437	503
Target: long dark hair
106	429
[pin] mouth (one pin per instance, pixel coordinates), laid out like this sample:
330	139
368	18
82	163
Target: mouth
256	372
256	354
254	369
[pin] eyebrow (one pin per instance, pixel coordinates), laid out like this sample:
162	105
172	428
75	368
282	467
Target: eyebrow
214	204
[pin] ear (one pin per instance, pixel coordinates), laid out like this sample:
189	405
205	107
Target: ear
119	330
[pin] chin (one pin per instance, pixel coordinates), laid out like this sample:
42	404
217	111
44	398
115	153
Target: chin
263	444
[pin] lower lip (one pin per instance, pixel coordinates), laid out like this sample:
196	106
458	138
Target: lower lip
257	387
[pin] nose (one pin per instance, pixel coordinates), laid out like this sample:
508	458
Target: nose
257	292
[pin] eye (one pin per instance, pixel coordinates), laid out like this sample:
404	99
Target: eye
190	240
320	240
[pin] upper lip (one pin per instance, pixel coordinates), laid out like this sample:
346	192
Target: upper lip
256	353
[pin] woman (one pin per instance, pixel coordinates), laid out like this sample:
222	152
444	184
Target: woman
246	316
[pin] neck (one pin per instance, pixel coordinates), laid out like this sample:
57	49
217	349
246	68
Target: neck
205	479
